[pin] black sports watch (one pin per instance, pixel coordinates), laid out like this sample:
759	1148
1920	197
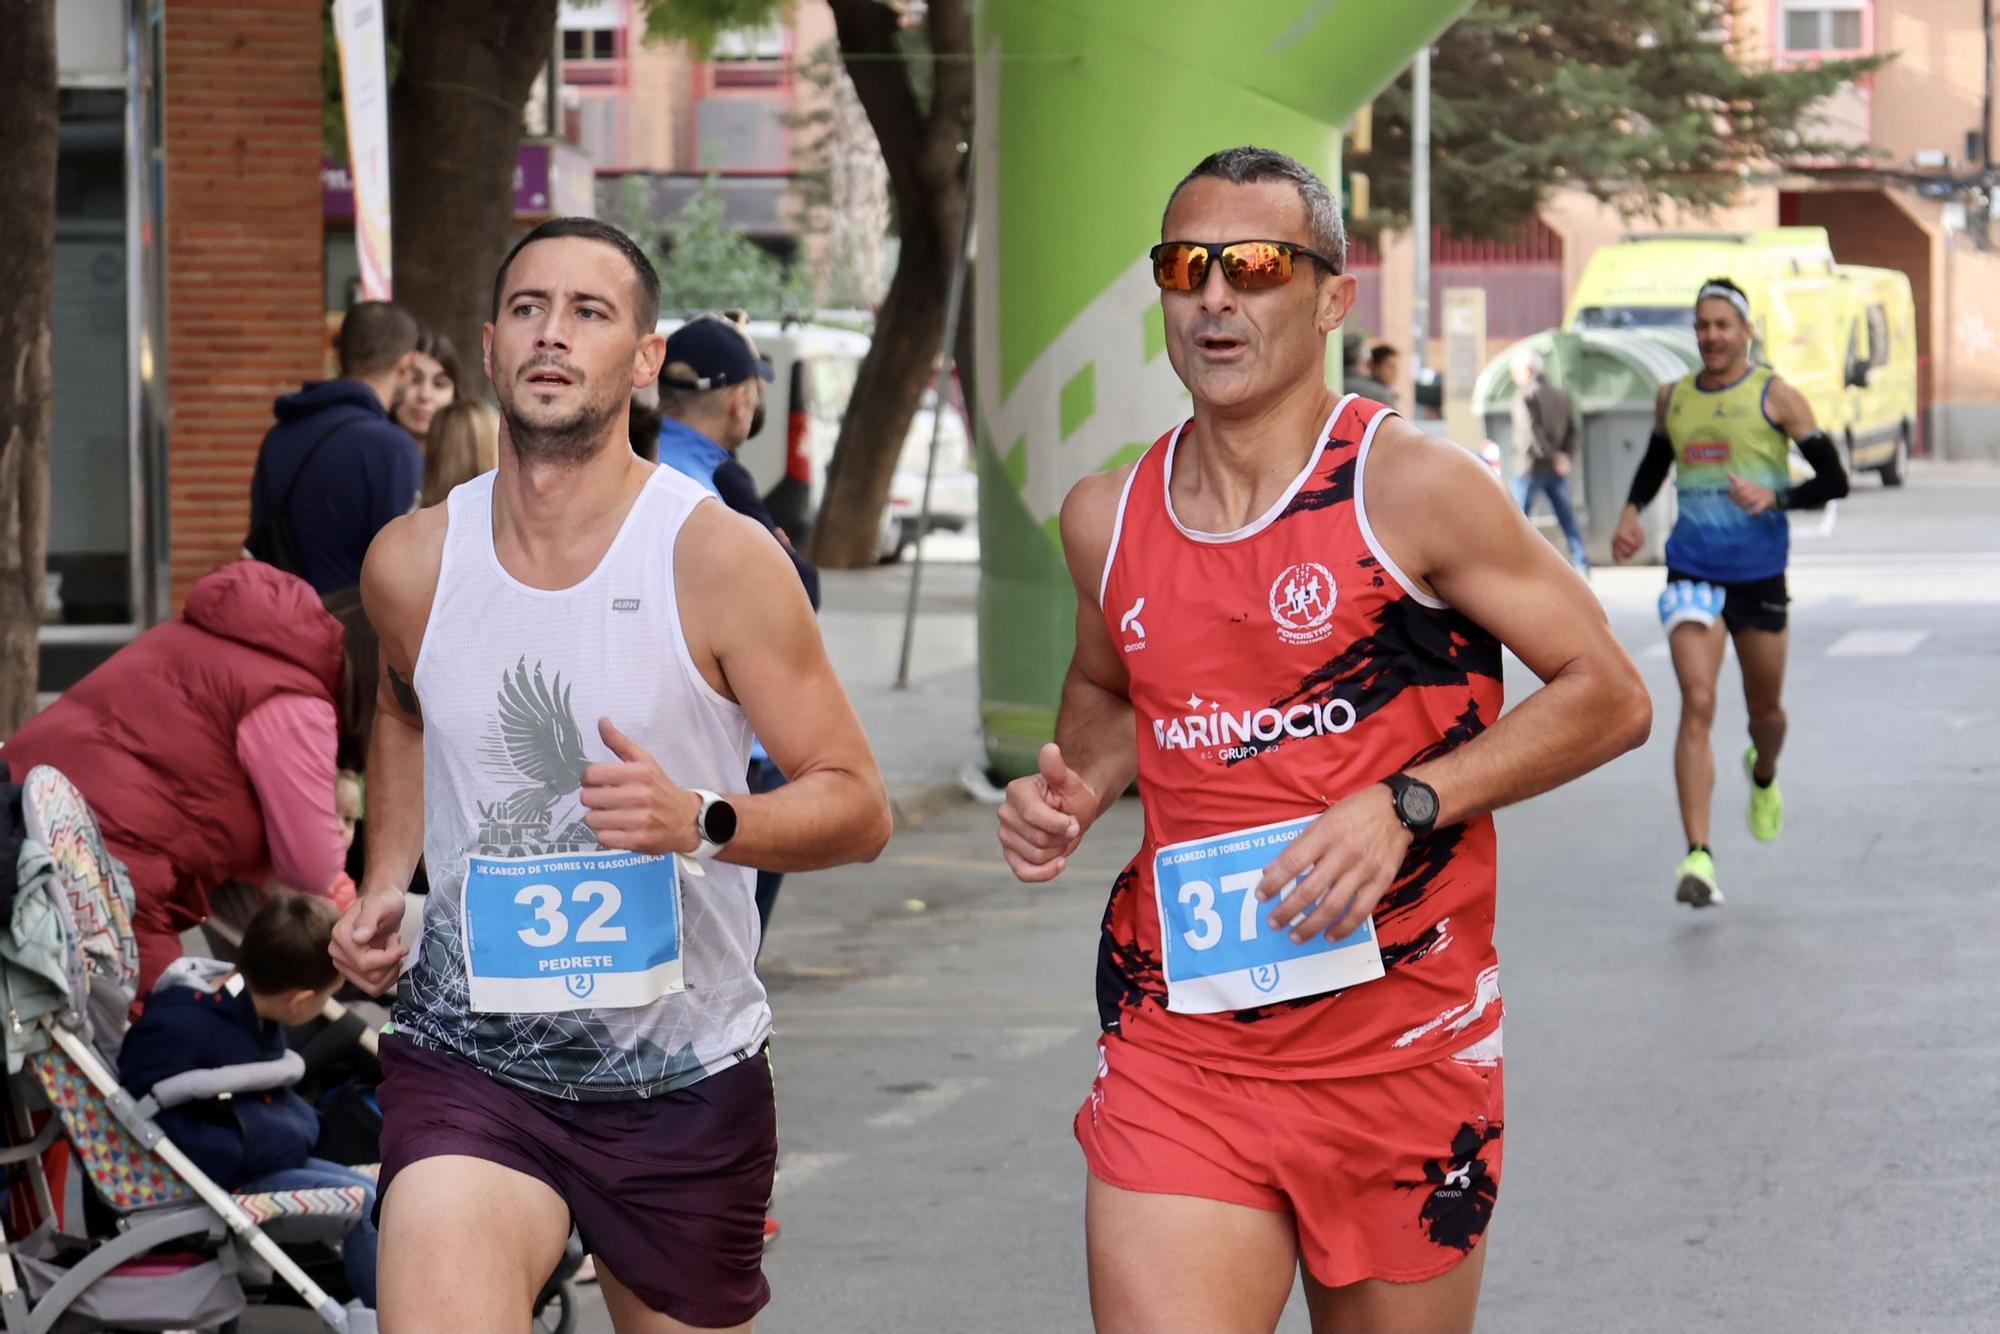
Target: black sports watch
715	822
1416	803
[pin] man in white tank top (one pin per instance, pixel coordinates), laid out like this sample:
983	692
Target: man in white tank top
576	650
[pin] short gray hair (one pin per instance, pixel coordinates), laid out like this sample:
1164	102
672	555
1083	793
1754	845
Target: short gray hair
1527	361
1248	165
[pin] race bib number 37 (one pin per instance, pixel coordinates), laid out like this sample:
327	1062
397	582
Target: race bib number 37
1218	947
573	931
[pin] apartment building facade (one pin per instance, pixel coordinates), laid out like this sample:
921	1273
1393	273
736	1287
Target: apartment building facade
668	117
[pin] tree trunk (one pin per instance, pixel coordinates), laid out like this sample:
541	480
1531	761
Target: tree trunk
29	129
455	132
927	182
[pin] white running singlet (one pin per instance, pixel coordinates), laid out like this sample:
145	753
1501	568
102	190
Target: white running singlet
583	974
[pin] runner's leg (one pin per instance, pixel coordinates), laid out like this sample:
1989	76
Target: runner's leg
1442	1305
1697	651
1175	1264
1762	656
631	1315
466	1244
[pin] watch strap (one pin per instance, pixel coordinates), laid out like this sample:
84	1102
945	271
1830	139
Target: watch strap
704	849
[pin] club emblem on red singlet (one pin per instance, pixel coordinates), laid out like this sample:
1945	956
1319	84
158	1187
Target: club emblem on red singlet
1302	601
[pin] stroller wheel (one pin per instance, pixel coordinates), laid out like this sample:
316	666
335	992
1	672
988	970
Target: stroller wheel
557	1313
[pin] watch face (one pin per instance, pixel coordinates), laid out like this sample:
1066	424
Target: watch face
718	822
1418	804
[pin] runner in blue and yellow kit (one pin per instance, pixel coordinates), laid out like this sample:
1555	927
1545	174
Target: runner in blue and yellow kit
1726	431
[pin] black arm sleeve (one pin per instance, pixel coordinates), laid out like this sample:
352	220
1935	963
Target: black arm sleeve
1829	479
739	492
1652	471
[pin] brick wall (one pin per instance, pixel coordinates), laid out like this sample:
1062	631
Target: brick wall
245	265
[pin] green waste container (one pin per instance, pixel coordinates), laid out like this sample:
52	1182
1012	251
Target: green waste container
1613	378
1089	112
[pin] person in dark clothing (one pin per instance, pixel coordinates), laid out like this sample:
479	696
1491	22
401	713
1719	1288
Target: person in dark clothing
645	424
336	464
1358	374
1384	361
711	401
206	1015
1545	448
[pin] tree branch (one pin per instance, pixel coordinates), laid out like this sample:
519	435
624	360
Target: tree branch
868	27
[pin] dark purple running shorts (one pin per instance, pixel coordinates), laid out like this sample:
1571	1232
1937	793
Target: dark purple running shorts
668	1192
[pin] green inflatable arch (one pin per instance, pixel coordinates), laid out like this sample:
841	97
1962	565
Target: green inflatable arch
1089	111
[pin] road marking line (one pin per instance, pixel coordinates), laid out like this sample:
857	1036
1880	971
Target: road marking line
1026	1043
918	1106
1657	651
1876	643
801	1169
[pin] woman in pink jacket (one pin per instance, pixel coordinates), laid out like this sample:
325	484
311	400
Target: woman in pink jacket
207	748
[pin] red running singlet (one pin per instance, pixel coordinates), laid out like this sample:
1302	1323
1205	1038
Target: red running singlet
1275	670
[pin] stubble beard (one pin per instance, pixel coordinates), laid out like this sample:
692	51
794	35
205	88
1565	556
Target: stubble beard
567	442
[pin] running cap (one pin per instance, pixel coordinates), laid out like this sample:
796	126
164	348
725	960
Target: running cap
1727	292
711	353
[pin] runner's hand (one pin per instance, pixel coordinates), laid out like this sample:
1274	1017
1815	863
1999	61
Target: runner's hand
1042	819
1562	465
368	941
1631	535
1753	499
1349	857
634	806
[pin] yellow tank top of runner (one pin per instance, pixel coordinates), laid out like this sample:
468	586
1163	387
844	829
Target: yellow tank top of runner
1717	432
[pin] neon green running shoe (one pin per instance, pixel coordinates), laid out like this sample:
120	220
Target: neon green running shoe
1696	886
1767	804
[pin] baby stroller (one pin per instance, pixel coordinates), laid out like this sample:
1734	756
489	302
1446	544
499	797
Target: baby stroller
185	1250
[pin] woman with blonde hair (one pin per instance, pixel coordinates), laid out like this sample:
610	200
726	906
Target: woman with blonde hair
463	442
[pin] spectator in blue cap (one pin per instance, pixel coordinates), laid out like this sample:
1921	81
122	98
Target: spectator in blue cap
711	401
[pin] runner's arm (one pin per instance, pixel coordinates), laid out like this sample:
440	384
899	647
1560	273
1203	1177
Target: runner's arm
1791	414
1442	519
398	582
1658	460
1044	816
748	621
1094	725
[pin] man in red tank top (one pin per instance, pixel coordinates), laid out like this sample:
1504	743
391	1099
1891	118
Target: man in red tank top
1290	618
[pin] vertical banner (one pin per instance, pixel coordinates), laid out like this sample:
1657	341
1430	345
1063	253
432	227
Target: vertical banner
364	95
1088	114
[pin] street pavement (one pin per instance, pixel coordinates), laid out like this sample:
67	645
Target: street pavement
1767	1117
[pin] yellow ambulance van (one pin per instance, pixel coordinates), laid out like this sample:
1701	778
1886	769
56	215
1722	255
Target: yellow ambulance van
1843	335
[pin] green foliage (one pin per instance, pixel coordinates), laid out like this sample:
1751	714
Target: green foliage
700	22
1639	102
705	263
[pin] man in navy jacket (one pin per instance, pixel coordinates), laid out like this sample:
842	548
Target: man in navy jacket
336	464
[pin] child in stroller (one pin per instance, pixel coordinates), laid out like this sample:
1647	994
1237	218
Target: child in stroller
204	1015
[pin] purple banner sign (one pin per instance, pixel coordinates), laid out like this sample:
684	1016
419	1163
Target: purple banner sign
532	196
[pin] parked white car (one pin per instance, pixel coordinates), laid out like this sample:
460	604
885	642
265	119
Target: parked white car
813	370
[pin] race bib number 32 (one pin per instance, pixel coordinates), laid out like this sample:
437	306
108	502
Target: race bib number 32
572	931
1218	947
